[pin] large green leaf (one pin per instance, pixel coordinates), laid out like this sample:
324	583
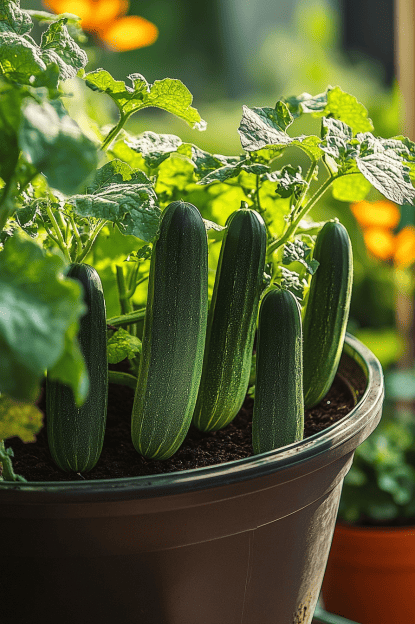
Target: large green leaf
60	48
24	61
168	94
333	103
13	19
55	145
39	312
123	196
266	127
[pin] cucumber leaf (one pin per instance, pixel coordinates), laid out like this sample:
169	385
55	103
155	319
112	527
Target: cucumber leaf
266	127
123	196
122	345
39	312
53	143
19	419
13	18
168	94
154	148
332	103
299	251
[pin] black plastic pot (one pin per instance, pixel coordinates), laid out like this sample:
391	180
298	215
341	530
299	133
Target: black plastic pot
239	543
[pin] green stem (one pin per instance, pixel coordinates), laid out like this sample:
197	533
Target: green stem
91	241
8	473
115	130
127	319
77	236
125	303
57	230
301	214
124	379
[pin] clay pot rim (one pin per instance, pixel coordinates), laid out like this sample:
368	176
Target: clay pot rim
316	451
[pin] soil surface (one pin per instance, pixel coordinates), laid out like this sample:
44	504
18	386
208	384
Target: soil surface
120	459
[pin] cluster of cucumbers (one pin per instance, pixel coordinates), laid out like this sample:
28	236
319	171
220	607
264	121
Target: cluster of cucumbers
195	363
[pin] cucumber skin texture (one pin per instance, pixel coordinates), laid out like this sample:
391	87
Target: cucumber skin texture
76	434
174	334
278	416
232	321
327	311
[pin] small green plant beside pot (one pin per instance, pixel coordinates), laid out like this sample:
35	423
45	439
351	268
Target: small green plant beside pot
192	227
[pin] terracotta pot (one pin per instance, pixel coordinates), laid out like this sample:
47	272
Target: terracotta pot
370	574
239	543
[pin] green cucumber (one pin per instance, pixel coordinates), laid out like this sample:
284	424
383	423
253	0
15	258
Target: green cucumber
232	321
174	334
278	416
76	434
327	311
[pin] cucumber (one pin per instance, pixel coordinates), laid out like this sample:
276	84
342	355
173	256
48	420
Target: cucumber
232	321
278	416
327	311
174	334
76	434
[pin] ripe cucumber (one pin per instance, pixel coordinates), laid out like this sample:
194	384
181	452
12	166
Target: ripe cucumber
327	311
174	334
278	416
76	434
232	321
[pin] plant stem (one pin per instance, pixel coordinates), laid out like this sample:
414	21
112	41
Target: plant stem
115	130
124	296
8	473
127	319
91	241
301	214
57	230
124	379
77	237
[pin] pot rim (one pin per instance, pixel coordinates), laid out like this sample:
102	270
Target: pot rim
149	486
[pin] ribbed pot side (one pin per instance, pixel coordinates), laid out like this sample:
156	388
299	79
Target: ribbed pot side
239	543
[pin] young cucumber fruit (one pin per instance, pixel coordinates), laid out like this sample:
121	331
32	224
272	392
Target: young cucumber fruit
327	311
174	334
232	321
278	417
76	434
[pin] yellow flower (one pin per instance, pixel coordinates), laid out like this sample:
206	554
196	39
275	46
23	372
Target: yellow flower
105	19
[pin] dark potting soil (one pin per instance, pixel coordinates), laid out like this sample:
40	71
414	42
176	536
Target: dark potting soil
120	459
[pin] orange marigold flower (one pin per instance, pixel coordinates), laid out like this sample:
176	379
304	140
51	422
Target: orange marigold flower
404	254
95	15
129	33
379	214
380	243
105	18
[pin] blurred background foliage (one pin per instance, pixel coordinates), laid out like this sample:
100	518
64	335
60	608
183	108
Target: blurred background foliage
234	52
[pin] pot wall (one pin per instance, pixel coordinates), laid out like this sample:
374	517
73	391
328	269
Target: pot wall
370	574
240	543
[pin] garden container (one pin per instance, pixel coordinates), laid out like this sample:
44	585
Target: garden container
370	574
244	542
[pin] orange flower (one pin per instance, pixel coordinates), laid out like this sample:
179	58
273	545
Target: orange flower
379	214
404	254
380	243
105	18
129	33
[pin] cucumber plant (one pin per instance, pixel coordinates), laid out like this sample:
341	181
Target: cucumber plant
67	199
